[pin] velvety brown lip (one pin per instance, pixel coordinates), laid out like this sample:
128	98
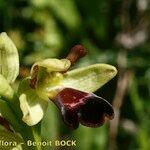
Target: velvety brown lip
81	107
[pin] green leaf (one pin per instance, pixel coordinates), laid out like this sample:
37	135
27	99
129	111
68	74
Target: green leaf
89	79
14	140
32	106
9	60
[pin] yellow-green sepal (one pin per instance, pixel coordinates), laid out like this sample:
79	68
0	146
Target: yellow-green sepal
89	79
9	59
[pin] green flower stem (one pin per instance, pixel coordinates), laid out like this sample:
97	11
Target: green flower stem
36	130
32	134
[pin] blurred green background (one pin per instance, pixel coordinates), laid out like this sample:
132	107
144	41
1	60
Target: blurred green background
114	32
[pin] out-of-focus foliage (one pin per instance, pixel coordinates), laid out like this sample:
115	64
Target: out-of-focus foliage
114	32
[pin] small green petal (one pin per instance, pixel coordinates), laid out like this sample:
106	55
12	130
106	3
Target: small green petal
53	64
9	59
32	106
89	79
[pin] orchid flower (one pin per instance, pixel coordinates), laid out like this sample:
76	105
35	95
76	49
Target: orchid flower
71	90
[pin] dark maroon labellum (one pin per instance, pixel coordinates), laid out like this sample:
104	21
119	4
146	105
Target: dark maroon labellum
87	108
